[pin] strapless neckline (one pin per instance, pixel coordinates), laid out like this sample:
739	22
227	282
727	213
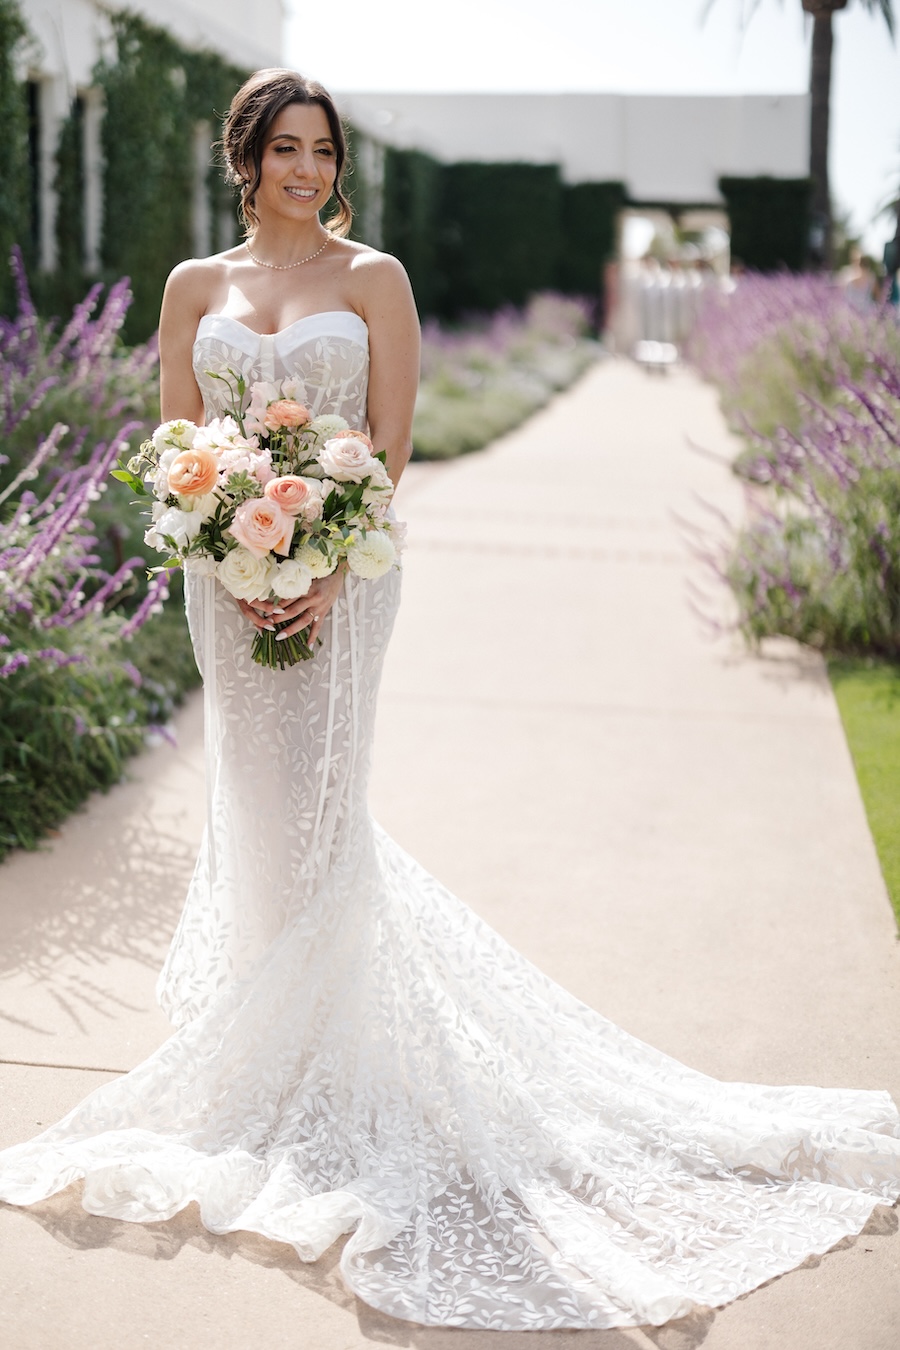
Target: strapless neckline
343	314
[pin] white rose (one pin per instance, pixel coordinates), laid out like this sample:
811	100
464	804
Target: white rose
291	579
346	459
160	479
179	434
245	576
371	555
315	562
182	526
329	424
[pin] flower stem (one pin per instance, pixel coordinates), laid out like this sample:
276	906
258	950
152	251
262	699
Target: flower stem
268	651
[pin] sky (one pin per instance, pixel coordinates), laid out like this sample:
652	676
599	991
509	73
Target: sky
624	46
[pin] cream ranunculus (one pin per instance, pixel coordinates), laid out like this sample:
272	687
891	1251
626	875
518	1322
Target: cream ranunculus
372	554
244	575
193	473
317	563
291	579
178	434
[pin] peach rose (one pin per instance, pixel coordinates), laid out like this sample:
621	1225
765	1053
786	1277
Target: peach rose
261	525
357	436
193	473
285	413
296	496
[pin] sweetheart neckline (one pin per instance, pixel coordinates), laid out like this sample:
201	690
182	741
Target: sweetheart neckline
318	314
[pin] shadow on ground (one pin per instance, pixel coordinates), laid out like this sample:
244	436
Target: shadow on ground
64	1219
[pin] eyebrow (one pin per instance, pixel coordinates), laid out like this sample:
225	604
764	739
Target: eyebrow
287	136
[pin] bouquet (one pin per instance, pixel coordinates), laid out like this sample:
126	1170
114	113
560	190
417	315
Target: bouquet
266	498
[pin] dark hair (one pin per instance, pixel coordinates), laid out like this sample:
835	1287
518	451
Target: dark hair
253	109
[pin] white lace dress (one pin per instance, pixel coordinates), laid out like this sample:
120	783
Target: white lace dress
358	1053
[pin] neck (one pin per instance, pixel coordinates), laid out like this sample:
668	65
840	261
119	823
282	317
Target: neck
287	245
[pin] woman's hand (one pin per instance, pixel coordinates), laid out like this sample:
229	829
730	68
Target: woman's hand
308	611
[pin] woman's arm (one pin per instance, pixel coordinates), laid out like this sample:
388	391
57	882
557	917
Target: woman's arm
184	303
387	305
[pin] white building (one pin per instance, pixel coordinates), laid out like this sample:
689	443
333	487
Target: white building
664	148
70	36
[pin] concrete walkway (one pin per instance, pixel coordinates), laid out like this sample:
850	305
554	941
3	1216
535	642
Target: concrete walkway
668	827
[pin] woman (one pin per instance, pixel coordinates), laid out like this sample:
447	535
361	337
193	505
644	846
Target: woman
357	1052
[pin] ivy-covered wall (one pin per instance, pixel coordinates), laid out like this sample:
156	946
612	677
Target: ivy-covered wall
156	92
769	221
15	179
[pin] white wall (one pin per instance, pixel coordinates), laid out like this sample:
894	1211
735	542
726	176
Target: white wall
664	148
71	33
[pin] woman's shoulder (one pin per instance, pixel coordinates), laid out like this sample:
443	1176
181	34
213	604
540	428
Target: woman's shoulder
376	278
195	276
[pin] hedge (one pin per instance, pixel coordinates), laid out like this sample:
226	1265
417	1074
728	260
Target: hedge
769	221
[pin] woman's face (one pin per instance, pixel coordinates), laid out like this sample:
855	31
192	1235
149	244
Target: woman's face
298	165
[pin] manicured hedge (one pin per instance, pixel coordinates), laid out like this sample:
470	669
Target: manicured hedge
589	212
500	236
477	236
769	221
411	212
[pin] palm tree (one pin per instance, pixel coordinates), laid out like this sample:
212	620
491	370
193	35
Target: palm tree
821	12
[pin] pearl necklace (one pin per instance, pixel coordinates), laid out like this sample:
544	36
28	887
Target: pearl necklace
285	267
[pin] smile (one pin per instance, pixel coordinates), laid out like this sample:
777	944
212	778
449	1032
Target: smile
303	194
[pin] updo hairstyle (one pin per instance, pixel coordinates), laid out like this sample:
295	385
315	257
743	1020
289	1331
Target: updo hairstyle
253	109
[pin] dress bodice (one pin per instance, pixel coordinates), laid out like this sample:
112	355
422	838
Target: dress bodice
327	352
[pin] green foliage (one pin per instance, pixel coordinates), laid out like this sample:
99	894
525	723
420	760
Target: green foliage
63	733
783	574
868	696
15	180
156	92
769	221
66	732
589	212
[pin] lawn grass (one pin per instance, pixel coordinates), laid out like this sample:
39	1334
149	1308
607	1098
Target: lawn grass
868	696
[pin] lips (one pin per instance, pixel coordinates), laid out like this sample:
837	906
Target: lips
302	194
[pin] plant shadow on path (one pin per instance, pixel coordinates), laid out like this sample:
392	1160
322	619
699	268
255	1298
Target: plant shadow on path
64	1219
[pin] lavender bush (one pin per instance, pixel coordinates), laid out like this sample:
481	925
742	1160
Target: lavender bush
73	700
815	389
488	377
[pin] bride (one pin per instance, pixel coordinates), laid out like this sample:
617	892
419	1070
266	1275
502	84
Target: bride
355	1051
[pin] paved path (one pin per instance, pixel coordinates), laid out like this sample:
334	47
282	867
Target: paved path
668	827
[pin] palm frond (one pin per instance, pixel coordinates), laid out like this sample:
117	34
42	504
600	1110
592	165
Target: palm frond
746	10
885	8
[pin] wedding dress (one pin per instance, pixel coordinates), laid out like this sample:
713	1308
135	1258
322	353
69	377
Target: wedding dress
357	1052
